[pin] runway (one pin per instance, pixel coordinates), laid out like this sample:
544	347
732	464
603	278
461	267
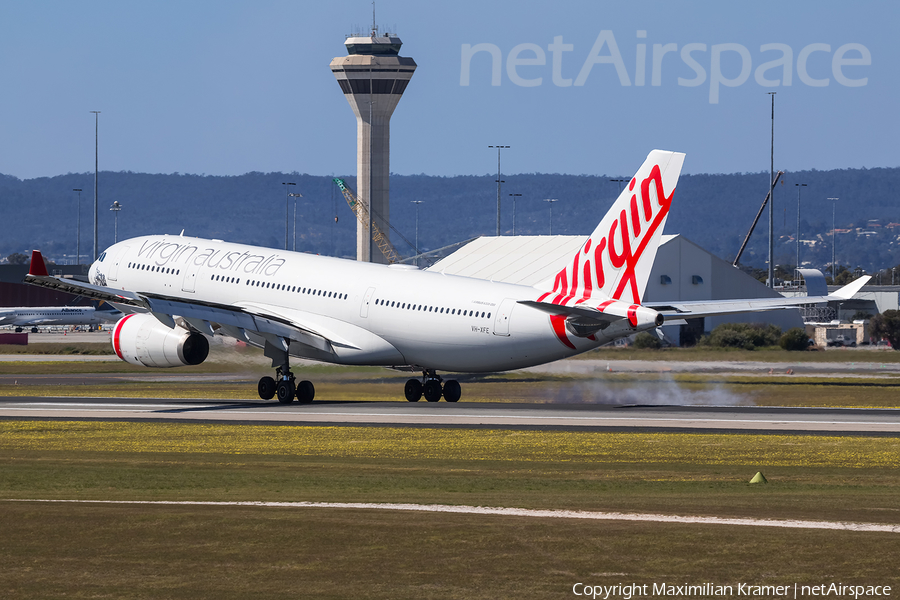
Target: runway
696	419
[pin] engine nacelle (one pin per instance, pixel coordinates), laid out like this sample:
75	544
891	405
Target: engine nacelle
140	339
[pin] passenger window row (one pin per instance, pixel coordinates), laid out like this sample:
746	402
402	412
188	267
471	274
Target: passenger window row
297	289
224	279
154	268
432	309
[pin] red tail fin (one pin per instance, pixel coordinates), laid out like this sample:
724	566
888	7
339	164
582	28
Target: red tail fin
615	261
37	268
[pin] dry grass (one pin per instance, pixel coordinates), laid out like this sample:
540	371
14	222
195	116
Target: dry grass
114	551
236	553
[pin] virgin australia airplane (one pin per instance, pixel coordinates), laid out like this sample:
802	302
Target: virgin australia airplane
353	313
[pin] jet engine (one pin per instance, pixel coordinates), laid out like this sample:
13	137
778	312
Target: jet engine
141	339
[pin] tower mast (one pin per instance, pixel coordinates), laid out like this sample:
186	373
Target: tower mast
373	77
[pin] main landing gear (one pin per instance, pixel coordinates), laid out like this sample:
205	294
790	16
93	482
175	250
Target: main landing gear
431	388
284	385
285	388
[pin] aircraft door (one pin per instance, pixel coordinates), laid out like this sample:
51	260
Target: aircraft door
501	321
364	309
114	268
190	277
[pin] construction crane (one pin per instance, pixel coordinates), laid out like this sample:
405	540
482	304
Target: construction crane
756	220
362	214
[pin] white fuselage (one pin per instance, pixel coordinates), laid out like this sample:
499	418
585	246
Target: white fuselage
386	315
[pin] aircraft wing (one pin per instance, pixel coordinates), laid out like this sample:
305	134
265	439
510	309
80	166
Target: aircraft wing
37	275
710	308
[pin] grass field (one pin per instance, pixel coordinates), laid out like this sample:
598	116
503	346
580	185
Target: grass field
138	551
223	552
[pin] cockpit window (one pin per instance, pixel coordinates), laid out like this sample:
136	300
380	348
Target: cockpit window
102	256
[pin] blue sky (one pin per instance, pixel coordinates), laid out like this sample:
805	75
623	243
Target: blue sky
225	87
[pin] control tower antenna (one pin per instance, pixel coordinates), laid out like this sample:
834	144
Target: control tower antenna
373	77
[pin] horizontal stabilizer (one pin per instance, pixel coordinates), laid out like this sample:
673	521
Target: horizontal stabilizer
710	308
579	311
606	312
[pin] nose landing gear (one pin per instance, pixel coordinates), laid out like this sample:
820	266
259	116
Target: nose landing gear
432	387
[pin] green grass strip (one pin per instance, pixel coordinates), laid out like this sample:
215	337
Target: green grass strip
452	444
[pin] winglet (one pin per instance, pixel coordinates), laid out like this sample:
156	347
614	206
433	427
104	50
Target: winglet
37	268
850	290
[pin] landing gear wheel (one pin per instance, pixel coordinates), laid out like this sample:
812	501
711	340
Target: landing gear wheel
285	391
266	388
34	330
413	390
432	390
452	390
306	391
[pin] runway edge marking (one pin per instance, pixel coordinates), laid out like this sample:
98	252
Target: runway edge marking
513	512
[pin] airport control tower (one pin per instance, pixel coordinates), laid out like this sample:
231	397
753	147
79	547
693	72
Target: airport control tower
373	76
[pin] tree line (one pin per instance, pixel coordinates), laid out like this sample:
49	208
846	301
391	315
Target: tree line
714	211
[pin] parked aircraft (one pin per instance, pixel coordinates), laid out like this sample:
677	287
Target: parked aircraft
35	316
353	313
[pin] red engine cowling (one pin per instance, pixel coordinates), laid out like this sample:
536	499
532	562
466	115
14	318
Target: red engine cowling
140	339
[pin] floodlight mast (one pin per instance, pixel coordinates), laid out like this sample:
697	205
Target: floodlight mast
771	278
96	170
78	229
833	239
499	181
799	186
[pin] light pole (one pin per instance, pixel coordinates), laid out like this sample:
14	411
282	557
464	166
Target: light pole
78	230
514	196
551	201
287	218
295	219
771	282
621	183
417	203
96	165
833	238
799	185
499	181
116	207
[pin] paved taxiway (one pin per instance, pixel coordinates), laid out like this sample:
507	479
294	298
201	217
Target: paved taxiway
514	416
